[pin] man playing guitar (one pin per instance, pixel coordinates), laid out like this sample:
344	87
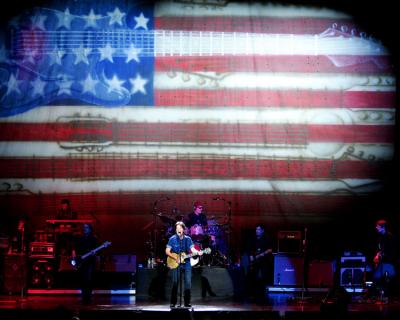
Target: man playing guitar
180	243
385	258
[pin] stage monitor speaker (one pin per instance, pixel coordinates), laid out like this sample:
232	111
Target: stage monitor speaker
120	263
288	270
15	273
157	283
350	277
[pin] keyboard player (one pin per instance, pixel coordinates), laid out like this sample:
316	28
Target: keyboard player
65	212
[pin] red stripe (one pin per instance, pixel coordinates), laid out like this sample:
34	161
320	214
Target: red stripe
84	131
127	204
187	168
274	98
272	63
252	24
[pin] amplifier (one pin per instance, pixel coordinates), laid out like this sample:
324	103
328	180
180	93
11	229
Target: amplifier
352	261
42	250
289	242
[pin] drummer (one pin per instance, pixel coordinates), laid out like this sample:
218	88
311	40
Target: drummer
197	221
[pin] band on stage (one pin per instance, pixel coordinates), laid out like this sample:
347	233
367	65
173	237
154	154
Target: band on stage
180	243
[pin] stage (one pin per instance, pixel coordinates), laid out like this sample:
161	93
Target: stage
295	305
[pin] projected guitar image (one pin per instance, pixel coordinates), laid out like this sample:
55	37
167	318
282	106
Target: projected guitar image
77	261
110	66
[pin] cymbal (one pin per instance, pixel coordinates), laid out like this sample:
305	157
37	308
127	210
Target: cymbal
166	219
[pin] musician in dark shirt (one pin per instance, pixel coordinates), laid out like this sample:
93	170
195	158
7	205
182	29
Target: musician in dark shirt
82	245
65	212
197	217
259	251
385	259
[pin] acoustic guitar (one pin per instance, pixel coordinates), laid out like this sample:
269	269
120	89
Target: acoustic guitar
173	264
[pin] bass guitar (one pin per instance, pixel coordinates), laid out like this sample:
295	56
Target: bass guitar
77	261
173	264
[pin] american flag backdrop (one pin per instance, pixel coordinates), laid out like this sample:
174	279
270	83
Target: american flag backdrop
264	111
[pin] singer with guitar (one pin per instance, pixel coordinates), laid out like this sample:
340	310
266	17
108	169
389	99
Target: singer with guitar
177	245
81	246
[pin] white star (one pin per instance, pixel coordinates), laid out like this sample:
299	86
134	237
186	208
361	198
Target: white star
64	19
91	19
30	56
64	86
89	84
132	53
106	53
81	54
13	84
56	56
115	84
38	21
138	84
141	21
116	16
38	87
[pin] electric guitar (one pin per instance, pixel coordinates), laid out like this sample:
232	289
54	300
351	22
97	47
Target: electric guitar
260	255
173	264
77	261
378	259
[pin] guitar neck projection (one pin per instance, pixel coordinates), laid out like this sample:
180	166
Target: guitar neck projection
188	43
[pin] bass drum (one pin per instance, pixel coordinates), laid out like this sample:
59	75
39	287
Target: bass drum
214	229
197	233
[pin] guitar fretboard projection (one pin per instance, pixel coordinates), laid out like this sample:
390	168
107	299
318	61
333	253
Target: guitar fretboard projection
189	43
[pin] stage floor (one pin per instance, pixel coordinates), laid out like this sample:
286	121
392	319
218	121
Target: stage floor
276	306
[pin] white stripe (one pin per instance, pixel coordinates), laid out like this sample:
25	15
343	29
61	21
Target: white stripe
273	81
190	43
313	151
220	8
344	186
217	115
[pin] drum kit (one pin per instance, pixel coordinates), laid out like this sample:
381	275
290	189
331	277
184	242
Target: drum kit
214	236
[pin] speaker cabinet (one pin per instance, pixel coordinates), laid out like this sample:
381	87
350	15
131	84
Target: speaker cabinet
352	271
289	242
320	274
350	277
288	270
15	273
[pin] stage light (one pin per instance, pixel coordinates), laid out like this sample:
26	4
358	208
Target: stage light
48	280
36	279
48	267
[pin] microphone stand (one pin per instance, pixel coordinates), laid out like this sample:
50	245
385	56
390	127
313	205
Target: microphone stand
180	270
229	221
229	231
305	270
154	246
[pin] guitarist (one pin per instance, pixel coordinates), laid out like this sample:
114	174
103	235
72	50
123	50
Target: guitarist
177	244
82	245
385	258
260	255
